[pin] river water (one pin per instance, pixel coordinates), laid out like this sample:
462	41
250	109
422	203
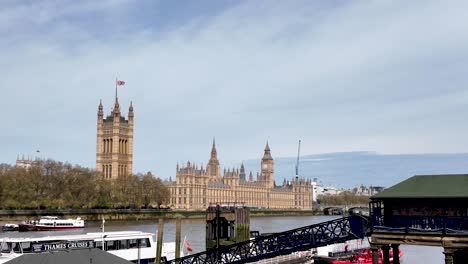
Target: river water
194	231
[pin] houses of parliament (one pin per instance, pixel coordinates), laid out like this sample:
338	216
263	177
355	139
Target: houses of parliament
195	187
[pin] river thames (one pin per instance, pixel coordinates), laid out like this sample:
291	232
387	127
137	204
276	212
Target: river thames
194	231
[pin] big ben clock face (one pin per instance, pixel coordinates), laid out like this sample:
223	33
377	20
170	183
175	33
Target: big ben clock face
265	166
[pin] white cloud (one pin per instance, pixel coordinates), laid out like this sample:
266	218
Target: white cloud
369	73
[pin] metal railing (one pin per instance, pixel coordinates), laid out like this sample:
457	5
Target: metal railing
300	239
442	224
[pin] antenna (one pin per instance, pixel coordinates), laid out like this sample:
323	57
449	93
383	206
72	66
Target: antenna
297	161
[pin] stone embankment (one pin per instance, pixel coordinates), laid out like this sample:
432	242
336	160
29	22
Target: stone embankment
131	214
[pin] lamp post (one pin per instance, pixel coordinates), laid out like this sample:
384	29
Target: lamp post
103	236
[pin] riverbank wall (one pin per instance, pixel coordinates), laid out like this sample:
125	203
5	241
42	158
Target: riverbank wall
132	214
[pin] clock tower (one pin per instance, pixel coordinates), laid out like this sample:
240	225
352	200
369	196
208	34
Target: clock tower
267	168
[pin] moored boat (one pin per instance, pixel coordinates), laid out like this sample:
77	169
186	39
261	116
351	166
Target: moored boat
51	223
133	246
10	227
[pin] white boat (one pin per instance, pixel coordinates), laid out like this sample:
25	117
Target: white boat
50	223
10	227
129	245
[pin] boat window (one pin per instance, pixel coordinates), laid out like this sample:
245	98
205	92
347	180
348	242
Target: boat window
98	244
145	242
132	243
16	247
111	245
123	244
26	246
6	247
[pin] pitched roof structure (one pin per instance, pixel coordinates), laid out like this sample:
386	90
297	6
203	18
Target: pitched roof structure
91	255
428	186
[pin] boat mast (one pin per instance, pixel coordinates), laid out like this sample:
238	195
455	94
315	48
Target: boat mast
297	161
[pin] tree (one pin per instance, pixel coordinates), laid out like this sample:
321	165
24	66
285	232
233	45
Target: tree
53	184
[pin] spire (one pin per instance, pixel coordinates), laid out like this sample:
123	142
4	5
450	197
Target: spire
250	177
100	111
130	110
242	172
214	154
267	154
116	110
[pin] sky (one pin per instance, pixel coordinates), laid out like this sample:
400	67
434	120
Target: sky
386	76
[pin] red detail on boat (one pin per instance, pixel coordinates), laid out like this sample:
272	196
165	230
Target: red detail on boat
365	257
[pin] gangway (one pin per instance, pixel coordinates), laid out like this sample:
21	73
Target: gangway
299	239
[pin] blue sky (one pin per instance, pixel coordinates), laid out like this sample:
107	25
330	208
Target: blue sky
385	76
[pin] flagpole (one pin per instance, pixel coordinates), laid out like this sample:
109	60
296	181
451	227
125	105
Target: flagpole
183	245
116	88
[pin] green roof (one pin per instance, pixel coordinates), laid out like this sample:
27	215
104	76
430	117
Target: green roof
428	186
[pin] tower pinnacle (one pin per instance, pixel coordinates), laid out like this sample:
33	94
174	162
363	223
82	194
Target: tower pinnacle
130	111
267	154
213	167
100	110
214	154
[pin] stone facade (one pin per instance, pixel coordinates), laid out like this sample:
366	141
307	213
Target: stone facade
24	163
114	146
196	187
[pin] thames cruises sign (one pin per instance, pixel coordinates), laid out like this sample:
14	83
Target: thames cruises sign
62	245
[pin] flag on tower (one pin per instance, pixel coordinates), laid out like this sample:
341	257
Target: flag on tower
120	82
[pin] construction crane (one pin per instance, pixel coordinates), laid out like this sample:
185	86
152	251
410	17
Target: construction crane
297	161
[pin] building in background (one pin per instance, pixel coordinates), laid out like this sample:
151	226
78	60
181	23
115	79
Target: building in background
196	187
24	162
367	190
114	146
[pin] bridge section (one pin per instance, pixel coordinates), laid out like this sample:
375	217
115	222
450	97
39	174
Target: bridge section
304	238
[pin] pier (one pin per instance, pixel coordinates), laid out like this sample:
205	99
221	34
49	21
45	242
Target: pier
428	210
283	243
